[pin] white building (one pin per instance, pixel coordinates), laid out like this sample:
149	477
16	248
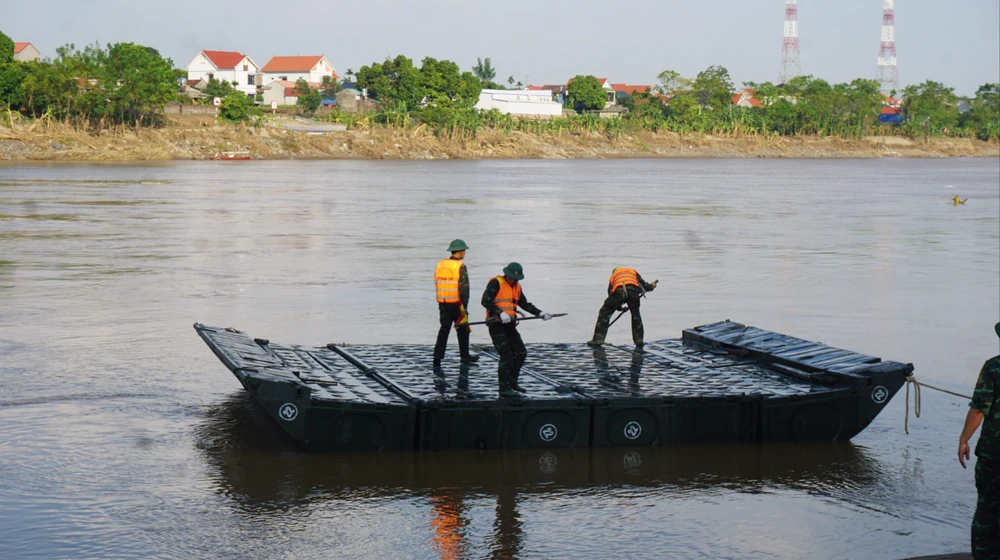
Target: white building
291	68
225	66
281	91
26	52
520	102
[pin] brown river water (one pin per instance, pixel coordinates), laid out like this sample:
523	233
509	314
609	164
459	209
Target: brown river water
122	436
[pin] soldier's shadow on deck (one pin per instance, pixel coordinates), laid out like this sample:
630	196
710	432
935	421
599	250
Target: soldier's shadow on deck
263	472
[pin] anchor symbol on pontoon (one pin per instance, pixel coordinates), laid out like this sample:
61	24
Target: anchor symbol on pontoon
548	432
632	430
288	412
880	394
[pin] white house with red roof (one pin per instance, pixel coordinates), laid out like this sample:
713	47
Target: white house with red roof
225	66
291	68
26	52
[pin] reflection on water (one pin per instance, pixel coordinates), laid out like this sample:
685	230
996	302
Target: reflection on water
124	437
262	474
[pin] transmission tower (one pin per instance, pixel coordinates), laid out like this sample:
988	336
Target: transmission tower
790	44
887	75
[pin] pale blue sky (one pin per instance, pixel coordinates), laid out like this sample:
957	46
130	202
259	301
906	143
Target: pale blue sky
955	42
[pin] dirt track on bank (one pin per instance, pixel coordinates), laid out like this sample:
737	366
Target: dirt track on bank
180	141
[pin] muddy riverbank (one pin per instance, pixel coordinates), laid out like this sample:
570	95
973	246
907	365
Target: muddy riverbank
56	142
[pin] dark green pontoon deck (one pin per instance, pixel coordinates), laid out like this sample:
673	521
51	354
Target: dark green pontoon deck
719	383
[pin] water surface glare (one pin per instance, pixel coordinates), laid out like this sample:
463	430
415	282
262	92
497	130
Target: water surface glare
122	436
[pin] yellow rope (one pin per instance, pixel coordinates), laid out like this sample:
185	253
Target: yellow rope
910	380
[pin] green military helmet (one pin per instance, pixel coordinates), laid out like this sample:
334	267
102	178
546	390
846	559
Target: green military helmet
458	245
514	270
996	327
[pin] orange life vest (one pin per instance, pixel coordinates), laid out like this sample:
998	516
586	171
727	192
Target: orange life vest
623	277
446	280
507	298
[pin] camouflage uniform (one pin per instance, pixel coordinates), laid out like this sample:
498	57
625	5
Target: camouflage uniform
626	295
986	521
506	339
451	312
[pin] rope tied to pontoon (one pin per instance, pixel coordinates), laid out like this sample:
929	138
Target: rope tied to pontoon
910	380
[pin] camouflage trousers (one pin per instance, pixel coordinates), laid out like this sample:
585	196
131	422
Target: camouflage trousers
512	353
986	521
450	312
613	303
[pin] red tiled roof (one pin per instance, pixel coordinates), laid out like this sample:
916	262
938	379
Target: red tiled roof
18	47
291	63
224	60
290	86
749	94
630	90
890	101
891	110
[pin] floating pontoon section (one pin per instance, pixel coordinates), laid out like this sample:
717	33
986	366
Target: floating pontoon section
721	383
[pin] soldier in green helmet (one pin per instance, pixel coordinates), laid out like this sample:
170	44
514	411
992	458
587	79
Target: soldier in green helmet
985	409
501	299
451	282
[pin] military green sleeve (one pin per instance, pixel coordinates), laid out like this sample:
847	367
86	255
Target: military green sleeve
526	305
463	286
983	396
492	289
645	285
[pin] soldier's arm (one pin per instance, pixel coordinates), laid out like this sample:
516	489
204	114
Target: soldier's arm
492	288
979	407
526	305
463	286
645	285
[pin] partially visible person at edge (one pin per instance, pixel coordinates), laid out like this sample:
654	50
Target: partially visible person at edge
501	299
985	409
451	281
625	287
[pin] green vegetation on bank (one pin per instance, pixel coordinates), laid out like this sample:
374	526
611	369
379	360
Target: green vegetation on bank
129	84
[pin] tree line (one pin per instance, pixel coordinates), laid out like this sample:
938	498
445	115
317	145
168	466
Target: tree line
129	84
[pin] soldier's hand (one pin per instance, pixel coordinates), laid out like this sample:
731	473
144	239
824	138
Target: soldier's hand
963	453
655	282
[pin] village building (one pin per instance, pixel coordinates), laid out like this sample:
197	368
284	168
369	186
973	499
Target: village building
283	92
746	98
291	68
26	52
630	90
224	66
523	103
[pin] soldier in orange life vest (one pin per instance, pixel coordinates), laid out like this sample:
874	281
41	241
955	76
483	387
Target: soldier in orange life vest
451	280
501	299
625	287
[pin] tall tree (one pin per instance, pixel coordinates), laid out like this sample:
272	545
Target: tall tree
6	49
393	81
444	84
586	93
930	108
137	82
983	117
309	97
671	83
328	86
484	70
713	87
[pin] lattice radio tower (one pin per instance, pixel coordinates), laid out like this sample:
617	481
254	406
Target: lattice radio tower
790	44
887	75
